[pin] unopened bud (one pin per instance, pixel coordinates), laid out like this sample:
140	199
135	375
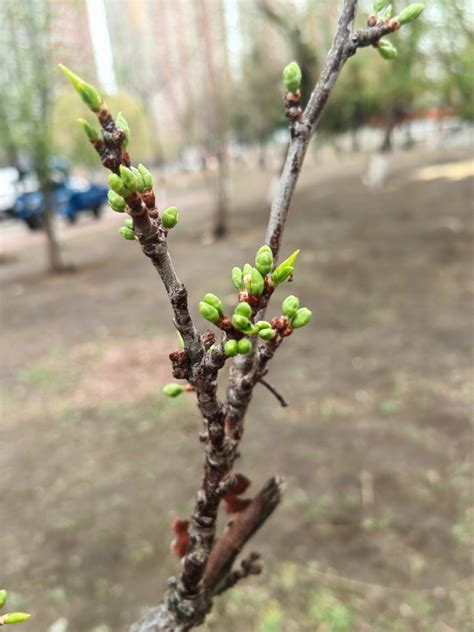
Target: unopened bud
254	282
128	178
242	323
231	348
117	185
3	597
128	223
237	278
172	389
243	309
301	318
262	324
15	617
292	77
281	274
264	260
88	93
209	312
146	175
91	133
244	346
387	50
122	123
290	306
127	233
170	217
266	334
387	12
116	202
411	13
138	179
215	301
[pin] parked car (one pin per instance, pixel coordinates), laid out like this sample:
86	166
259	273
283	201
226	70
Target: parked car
70	195
8	178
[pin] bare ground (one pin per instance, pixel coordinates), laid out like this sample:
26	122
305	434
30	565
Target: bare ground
376	526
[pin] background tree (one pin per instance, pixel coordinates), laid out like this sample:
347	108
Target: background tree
27	90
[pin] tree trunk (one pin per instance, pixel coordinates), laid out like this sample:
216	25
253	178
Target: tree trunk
222	198
55	262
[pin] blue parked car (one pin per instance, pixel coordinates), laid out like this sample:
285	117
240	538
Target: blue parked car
70	195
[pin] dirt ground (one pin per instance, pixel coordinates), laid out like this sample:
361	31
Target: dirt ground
375	530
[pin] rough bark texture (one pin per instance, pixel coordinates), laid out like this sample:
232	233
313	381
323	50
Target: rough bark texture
207	565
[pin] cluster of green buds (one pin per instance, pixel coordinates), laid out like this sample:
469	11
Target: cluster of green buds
252	278
383	11
127	230
88	93
298	316
131	180
292	77
11	617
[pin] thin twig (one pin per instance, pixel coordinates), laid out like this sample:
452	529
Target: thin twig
274	391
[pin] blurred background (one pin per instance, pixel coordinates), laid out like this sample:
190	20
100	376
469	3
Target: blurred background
375	531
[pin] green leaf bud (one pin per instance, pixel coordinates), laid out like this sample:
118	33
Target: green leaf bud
230	348
122	123
262	324
215	301
387	50
247	269
290	261
281	274
254	282
128	223
237	278
180	339
211	348
244	346
411	13
209	312
292	77
138	179
116	202
128	178
301	318
266	334
243	309
146	175
88	93
242	323
127	233
117	185
264	260
91	133
3	597
15	617
379	5
172	389
170	217
290	306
